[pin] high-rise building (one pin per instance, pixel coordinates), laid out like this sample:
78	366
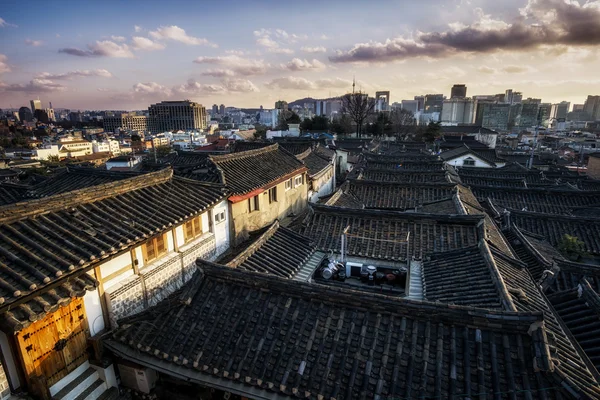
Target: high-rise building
126	121
529	115
560	110
35	105
421	102
592	107
382	100
215	109
493	115
545	109
433	103
517	97
222	109
458	110
530	100
176	115
458	91
41	116
577	107
508	96
25	114
411	105
51	115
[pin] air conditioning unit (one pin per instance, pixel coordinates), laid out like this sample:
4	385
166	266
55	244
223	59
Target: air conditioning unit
137	377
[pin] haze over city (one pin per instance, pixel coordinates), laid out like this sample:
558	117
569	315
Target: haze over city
127	55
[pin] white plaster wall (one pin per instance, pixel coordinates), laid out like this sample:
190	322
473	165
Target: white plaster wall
459	162
205	222
139	256
118	279
180	236
11	367
115	264
93	311
170	243
221	228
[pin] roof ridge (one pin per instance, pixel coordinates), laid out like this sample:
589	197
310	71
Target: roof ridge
243	154
488	255
28	208
254	246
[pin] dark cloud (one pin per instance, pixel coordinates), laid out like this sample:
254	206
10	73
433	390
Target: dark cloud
103	48
547	23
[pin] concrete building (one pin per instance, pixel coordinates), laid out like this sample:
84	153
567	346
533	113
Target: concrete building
592	107
69	148
382	101
222	109
578	107
433	103
25	114
458	110
545	109
411	105
458	91
560	110
126	121
35	105
176	115
529	115
110	146
493	116
420	101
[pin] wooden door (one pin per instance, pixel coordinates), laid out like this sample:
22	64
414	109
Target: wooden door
56	345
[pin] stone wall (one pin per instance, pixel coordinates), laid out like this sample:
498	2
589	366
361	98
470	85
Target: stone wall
4	388
158	280
593	167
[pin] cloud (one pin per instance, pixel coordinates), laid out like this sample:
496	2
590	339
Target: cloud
292	82
239	85
142	43
34	43
118	38
137	28
104	48
509	69
105	90
177	34
317	49
4	24
237	64
4	67
267	42
541	23
486	70
193	87
151	88
34	86
279	50
76	74
273	40
298	64
218	73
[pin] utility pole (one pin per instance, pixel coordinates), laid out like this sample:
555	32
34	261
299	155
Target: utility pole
535	137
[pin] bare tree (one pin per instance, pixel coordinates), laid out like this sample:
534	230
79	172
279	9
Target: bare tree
358	106
403	122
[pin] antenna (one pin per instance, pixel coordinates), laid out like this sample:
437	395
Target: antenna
353	83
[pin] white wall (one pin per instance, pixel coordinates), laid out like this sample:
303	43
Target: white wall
113	265
93	310
180	235
11	367
479	163
222	228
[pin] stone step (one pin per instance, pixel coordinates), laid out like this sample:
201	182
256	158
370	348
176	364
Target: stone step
93	392
77	385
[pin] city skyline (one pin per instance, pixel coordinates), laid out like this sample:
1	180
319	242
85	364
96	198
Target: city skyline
249	55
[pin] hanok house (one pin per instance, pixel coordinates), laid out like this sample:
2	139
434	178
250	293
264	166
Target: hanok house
262	336
73	263
266	184
321	164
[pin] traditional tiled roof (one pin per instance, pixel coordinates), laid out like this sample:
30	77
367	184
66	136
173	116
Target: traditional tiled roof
184	158
403	176
527	297
492	182
400	157
464	277
344	198
296	148
465	129
579	308
538	200
316	159
278	251
407	165
553	227
487	155
383	234
266	337
506	172
43	241
12	193
533	250
254	169
569	274
394	196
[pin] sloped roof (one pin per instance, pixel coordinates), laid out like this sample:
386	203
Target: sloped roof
46	240
254	169
266	337
487	155
569	275
406	165
278	251
316	159
402	176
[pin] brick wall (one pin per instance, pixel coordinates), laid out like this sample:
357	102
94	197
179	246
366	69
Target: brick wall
4	388
158	280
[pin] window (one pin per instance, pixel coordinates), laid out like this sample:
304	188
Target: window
288	184
192	228
272	195
253	204
299	180
468	161
154	248
220	217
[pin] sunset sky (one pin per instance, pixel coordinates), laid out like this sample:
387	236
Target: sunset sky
128	54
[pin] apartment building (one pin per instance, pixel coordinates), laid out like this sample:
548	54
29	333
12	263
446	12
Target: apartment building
176	115
128	121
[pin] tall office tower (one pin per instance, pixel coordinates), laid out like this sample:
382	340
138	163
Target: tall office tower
458	110
126	121
35	105
222	109
529	116
433	103
215	109
592	107
458	91
420	102
411	105
493	116
517	98
560	110
176	115
508	96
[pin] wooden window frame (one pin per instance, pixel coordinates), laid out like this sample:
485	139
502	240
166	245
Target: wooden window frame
154	242
289	184
253	204
469	162
220	217
272	195
300	178
192	229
